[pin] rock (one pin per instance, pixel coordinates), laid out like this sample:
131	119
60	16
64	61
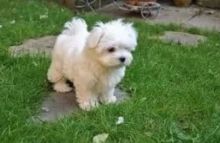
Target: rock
42	45
182	38
58	105
209	3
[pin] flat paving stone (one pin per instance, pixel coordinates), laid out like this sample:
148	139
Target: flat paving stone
182	38
177	15
192	16
58	105
206	21
41	45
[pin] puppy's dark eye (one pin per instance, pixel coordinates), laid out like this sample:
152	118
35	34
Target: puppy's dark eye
112	49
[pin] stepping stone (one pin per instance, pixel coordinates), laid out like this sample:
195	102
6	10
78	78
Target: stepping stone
182	38
58	105
42	45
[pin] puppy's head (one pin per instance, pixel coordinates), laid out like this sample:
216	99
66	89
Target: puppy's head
113	43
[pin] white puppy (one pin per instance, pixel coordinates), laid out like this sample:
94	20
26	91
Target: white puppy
95	62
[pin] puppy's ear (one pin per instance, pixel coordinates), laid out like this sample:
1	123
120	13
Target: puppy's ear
95	37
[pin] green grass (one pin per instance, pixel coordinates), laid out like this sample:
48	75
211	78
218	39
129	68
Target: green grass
175	90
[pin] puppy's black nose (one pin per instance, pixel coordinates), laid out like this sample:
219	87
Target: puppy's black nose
122	59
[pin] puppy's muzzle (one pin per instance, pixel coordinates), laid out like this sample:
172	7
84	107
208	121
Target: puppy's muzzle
122	59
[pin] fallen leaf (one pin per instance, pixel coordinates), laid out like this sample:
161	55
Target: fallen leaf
120	120
12	22
45	109
44	16
100	138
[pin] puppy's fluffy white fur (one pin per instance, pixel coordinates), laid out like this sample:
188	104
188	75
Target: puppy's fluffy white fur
94	61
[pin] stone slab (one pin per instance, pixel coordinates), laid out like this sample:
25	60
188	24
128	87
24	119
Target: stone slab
206	21
59	105
182	38
43	45
177	15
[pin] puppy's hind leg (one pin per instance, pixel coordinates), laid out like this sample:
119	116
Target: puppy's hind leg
55	76
62	86
54	73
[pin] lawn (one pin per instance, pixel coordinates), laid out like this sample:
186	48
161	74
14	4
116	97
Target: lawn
174	89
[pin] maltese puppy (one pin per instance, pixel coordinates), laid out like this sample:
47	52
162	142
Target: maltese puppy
94	61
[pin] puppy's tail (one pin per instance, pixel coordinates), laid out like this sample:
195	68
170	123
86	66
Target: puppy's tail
75	26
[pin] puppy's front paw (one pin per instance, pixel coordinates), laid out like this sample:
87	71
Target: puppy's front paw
88	104
108	99
62	87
